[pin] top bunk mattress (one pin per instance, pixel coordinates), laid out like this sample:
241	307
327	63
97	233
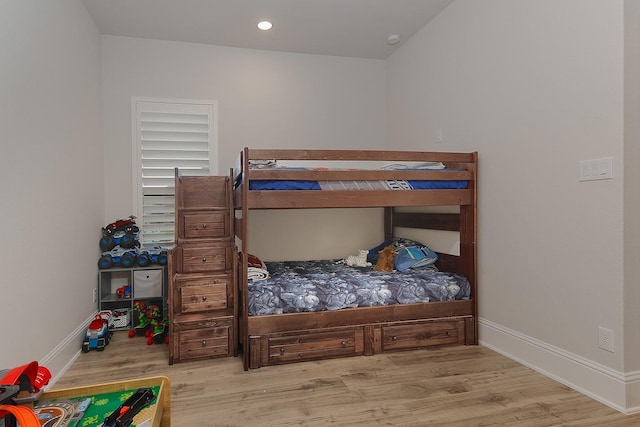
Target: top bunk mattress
307	286
386	184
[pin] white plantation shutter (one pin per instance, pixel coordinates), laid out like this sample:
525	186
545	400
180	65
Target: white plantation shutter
169	134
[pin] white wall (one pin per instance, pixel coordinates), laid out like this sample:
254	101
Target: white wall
631	193
52	179
265	100
534	86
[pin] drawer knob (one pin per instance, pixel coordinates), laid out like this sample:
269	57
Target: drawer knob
394	338
281	350
448	333
204	259
203	343
204	225
344	344
204	298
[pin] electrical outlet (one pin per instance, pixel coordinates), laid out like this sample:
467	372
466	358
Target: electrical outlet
95	295
605	339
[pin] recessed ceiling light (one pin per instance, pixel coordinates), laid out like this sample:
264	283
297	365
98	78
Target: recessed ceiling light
265	25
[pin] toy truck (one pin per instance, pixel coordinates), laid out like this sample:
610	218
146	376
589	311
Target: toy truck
98	334
127	225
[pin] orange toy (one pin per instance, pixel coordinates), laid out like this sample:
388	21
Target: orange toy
385	262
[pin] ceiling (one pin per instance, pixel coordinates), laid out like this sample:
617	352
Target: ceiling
352	28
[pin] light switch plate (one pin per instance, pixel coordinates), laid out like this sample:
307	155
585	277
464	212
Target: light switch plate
594	169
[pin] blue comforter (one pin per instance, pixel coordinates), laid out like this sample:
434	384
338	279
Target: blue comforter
300	286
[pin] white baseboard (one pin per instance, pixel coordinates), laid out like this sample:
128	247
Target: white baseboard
615	389
64	354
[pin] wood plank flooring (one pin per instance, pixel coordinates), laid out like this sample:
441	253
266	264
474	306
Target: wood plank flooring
453	386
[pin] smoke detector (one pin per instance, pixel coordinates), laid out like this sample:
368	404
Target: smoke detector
393	39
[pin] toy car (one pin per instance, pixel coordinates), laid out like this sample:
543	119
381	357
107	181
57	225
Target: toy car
127	225
155	254
118	256
120	238
158	332
98	335
123	292
140	307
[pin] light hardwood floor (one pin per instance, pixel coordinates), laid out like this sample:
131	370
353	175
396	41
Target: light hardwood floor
453	386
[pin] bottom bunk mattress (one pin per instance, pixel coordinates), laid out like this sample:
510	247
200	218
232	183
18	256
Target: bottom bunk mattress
302	286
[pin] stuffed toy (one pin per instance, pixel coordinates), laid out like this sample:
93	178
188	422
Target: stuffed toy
385	262
359	260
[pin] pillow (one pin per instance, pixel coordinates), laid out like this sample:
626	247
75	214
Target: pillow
411	254
414	257
395	242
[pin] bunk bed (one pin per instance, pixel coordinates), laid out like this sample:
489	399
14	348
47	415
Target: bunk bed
263	179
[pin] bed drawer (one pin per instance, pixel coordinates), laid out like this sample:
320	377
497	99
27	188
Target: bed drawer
205	224
203	293
317	345
197	259
412	335
204	342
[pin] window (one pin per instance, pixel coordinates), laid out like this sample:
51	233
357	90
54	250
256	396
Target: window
168	134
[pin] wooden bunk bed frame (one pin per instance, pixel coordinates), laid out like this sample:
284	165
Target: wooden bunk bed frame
283	338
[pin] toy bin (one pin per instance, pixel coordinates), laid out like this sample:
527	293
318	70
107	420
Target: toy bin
121	318
147	284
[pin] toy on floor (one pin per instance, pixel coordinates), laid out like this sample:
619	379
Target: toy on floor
385	262
151	324
98	334
158	333
158	328
143	322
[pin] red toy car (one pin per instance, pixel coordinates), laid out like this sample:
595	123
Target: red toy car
123	292
127	225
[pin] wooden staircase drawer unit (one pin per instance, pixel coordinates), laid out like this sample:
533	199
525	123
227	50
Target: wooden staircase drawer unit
203	272
205	224
317	345
203	343
395	337
198	259
203	294
198	336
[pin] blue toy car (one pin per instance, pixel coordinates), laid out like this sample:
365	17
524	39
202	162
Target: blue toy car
98	334
118	256
154	254
119	238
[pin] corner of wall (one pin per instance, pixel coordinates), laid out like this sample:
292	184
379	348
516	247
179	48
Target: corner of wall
615	389
60	359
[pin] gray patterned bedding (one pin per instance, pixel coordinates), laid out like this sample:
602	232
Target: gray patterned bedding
300	286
